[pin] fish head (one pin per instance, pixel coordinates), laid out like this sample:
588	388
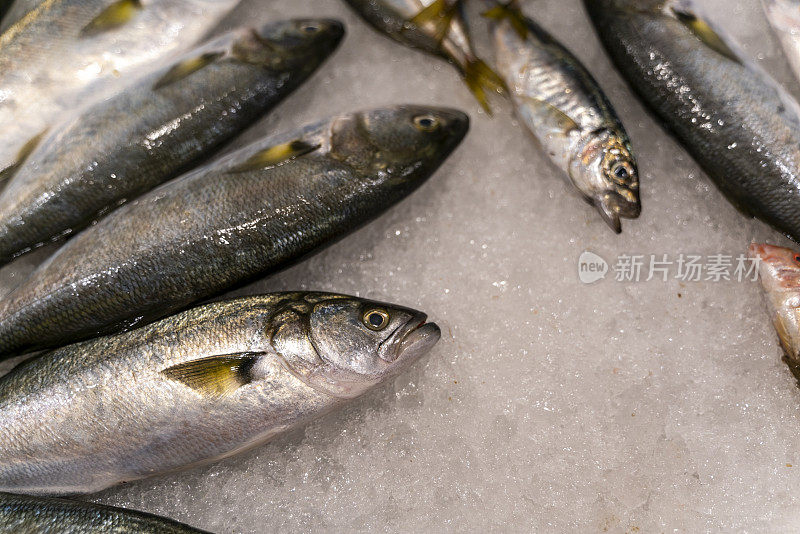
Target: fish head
360	343
397	147
779	271
605	171
289	44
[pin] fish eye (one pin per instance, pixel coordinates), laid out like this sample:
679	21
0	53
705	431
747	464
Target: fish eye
797	258
375	319
309	28
620	170
426	123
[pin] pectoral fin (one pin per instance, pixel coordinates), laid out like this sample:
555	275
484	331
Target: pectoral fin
705	33
275	155
440	14
114	16
216	376
22	155
186	67
549	114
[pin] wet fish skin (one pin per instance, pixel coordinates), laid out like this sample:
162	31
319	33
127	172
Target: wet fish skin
123	146
39	86
24	514
565	108
227	223
784	18
398	20
779	272
13	10
736	122
154	400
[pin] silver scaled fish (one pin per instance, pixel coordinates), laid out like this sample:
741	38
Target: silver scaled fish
245	215
565	109
198	386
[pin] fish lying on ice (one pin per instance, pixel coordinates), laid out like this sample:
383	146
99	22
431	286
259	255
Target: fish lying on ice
152	130
66	53
201	385
779	271
436	27
245	215
563	106
24	514
739	124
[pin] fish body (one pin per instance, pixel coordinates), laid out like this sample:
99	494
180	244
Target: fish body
148	133
24	514
245	215
738	124
436	27
563	106
66	53
784	18
779	272
198	386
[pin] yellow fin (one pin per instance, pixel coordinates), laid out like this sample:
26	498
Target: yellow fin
562	122
186	67
440	14
114	16
511	12
274	155
705	33
22	155
217	375
479	77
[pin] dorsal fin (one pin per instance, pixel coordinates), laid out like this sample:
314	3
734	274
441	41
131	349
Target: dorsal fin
115	15
275	155
216	375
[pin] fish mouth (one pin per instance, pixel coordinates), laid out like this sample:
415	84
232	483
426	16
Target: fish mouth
763	252
612	206
411	341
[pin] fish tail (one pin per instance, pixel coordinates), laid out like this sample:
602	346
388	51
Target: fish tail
479	77
511	12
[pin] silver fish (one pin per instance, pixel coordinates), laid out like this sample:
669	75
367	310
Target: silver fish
242	216
23	514
13	11
201	385
784	17
152	130
560	102
65	53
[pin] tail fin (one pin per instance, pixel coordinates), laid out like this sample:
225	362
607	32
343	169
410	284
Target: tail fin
479	77
440	14
511	12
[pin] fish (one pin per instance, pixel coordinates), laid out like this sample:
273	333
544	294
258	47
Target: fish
202	385
67	53
784	18
161	125
740	126
779	272
238	218
438	28
565	109
25	514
